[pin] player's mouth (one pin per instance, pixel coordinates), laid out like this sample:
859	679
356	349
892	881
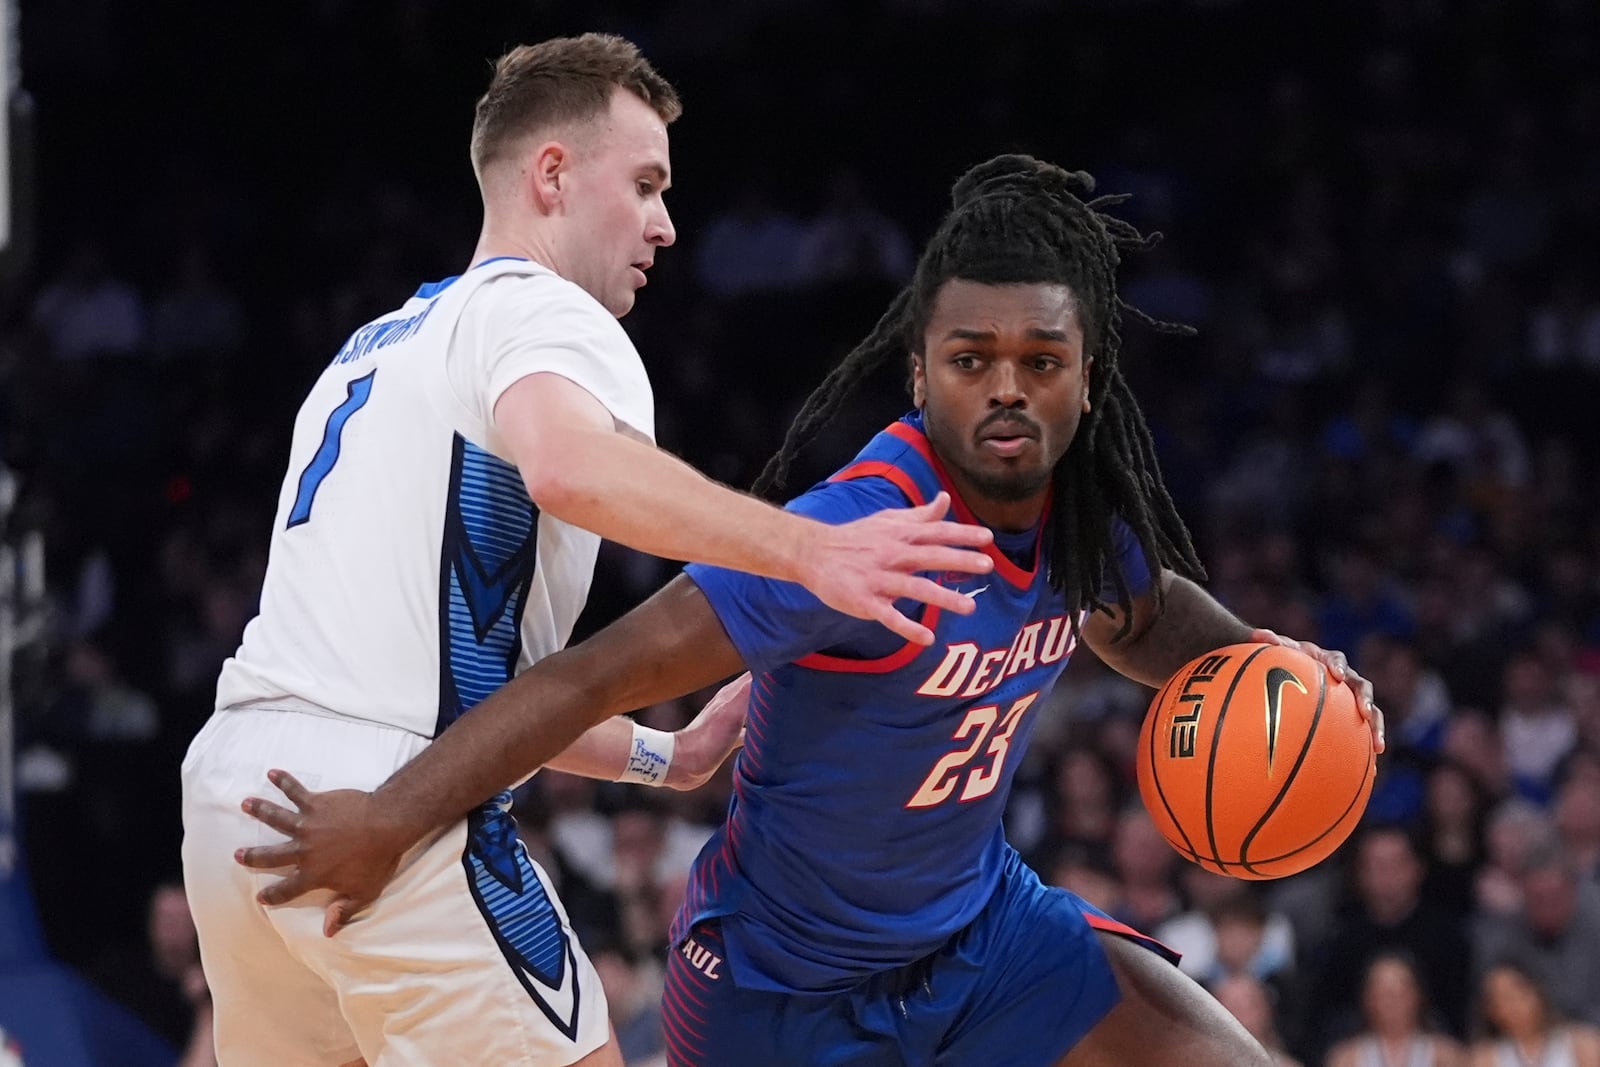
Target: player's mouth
1007	435
639	268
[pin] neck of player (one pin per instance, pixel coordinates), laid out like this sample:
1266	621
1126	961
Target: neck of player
1007	516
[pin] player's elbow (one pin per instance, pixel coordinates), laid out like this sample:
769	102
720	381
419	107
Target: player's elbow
558	487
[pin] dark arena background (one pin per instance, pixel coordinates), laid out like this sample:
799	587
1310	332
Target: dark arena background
1380	215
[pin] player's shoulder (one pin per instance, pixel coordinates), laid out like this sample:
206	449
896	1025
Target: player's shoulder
519	291
842	498
523	279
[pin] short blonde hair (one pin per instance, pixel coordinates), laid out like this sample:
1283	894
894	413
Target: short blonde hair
562	80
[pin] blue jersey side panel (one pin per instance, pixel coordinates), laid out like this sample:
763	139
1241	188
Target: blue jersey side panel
489	552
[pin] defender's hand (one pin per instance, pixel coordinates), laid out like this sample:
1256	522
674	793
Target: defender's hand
336	841
861	568
1338	667
712	737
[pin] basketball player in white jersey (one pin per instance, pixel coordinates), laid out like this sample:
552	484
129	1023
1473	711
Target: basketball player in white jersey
451	474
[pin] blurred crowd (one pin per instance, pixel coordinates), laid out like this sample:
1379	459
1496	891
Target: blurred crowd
1384	435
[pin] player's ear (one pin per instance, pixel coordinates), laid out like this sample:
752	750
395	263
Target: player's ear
546	175
919	380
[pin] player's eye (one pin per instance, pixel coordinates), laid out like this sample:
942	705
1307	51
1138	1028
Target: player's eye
1045	362
646	187
964	360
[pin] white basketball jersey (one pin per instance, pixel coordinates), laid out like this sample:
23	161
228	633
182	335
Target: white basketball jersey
410	575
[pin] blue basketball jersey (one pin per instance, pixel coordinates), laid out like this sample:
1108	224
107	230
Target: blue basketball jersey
865	827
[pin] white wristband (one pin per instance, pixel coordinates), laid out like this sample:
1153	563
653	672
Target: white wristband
649	756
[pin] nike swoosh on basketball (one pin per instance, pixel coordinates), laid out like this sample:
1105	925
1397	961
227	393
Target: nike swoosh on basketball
1277	678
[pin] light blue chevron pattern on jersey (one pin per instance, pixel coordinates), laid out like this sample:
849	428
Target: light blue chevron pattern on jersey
504	881
490	551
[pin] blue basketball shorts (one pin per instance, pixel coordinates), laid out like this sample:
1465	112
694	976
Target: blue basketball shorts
1018	987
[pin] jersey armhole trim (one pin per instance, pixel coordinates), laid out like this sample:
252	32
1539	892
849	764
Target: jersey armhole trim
876	468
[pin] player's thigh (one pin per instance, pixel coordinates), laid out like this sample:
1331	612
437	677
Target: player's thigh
1162	1016
269	1008
467	958
1029	977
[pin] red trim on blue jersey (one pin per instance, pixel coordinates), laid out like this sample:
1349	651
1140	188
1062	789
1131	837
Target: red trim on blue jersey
882	665
1111	926
877	468
1003	566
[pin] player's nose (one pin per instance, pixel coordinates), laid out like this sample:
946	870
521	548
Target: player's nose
659	230
1005	385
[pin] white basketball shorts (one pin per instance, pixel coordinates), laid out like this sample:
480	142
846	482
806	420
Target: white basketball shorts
467	958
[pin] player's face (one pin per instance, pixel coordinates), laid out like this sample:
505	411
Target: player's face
1002	381
617	218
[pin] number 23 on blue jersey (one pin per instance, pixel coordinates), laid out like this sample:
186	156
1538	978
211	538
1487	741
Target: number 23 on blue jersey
951	768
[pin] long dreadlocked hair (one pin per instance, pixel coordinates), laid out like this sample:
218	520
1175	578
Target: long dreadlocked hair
1017	219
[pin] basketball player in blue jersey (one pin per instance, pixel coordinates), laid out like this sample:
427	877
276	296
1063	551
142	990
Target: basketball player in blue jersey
451	474
860	905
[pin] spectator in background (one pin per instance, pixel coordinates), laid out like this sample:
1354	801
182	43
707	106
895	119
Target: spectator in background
159	978
1577	814
197	316
1084	869
1516	829
98	704
749	248
1557	934
1417	703
1362	601
87	312
1523	1026
1537	725
1415	700
1397	1029
1146	867
1228	929
1472	740
1453	818
1583	694
1085	798
578	830
1564	330
1571	592
1387	911
851	239
1479	442
1264	480
1370	432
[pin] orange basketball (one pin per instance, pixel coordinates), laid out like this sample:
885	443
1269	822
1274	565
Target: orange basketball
1254	763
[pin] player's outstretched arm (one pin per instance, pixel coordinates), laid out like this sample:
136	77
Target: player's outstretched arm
351	842
578	467
1191	623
